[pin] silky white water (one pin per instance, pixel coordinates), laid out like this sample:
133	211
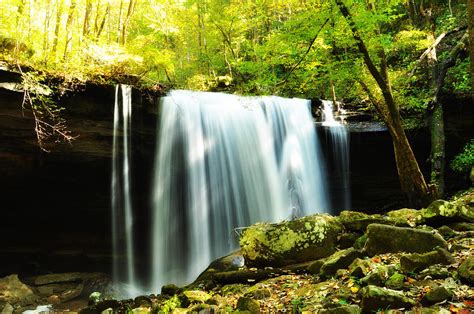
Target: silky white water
339	138
224	162
122	212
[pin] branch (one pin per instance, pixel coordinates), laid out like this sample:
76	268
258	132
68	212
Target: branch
305	54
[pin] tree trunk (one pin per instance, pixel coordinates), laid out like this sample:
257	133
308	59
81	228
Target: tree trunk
411	179
470	8
69	23
87	19
57	27
437	118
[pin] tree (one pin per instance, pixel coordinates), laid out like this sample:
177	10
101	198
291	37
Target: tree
470	9
411	179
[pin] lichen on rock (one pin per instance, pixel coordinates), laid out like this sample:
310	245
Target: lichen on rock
300	240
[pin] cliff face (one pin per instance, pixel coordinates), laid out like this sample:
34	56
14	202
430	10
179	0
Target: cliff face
55	207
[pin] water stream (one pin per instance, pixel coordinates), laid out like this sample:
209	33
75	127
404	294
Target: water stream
339	144
122	212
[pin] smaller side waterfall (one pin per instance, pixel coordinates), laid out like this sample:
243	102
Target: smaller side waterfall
122	219
339	141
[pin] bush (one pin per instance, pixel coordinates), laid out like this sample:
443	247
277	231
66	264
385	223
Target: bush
465	160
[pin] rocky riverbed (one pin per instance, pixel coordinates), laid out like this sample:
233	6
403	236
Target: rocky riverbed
415	261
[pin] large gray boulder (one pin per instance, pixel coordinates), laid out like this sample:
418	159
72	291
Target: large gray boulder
391	239
300	240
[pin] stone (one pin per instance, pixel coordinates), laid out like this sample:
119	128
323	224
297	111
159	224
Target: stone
57	278
359	268
391	239
438	294
339	260
7	309
197	296
315	267
376	277
300	240
53	299
404	217
357	221
459	209
462	226
375	298
446	232
259	293
359	244
415	262
435	272
229	262
343	309
16	293
466	270
170	290
142	301
248	304
347	239
396	281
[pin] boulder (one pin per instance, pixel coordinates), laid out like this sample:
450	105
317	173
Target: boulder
404	217
396	281
300	240
461	209
359	268
391	239
16	293
415	262
435	272
315	267
248	304
339	260
377	276
438	294
357	221
375	298
56	278
170	290
466	270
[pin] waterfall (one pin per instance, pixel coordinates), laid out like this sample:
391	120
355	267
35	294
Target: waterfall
223	162
339	139
122	219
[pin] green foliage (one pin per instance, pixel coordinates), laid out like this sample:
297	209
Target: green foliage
260	47
465	160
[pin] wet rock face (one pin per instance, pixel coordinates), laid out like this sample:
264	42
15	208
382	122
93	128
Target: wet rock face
390	239
300	240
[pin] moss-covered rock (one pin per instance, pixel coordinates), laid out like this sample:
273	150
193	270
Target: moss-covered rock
404	217
438	294
377	276
375	298
391	239
248	304
357	221
415	262
359	268
305	239
396	281
197	296
343	309
315	267
339	260
435	272
466	270
458	209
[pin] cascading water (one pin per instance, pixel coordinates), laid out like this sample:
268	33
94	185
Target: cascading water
122	219
223	162
340	146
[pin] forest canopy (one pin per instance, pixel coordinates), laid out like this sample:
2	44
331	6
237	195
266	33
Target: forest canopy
290	48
